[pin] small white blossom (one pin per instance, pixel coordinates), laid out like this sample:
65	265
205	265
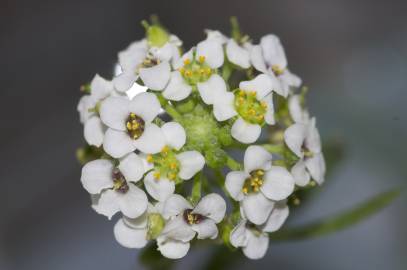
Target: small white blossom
114	186
237	54
269	57
170	165
186	220
303	140
253	103
253	239
130	125
260	185
133	232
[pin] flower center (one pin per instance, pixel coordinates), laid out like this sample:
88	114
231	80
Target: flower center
249	108
195	71
135	126
165	164
253	183
119	182
192	218
277	70
306	151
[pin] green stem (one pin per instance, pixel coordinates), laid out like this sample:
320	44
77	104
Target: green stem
274	148
227	71
233	164
196	188
172	112
236	34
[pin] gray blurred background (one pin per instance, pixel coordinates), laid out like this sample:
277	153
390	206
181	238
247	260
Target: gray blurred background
352	55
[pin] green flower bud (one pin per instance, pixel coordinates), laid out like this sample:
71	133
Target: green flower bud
157	36
155	225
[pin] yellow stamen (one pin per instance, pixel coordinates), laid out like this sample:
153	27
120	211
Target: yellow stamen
253	93
165	150
171	176
252	112
149	158
182	71
263	104
173	165
188	73
187	61
156	175
201	59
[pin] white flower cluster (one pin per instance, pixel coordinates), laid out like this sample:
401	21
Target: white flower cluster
219	95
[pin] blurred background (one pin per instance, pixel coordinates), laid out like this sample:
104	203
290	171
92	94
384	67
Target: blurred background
352	55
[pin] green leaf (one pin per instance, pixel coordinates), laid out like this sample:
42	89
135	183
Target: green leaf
338	222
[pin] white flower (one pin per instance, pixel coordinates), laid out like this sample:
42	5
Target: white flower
115	187
269	58
151	65
130	125
185	221
304	141
134	232
253	239
237	54
216	36
198	67
253	103
94	129
170	166
260	185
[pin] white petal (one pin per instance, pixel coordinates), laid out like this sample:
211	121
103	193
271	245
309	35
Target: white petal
210	89
134	202
313	140
172	249
277	85
295	109
206	229
188	55
132	168
94	131
118	143
191	162
316	167
294	137
278	184
134	54
160	189
124	81
238	236
237	55
156	77
212	51
256	157
97	175
212	206
273	51
257	208
216	35
174	134
140	222
114	112
175	205
177	89
178	229
269	117
147	165
100	87
234	183
245	132
151	141
223	107
256	246
85	103
261	84
256	57
145	105
108	204
129	237
300	174
290	79
277	217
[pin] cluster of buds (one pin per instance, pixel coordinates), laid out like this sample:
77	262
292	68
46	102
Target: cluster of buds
160	157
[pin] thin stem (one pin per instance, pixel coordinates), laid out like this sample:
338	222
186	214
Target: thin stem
196	188
235	33
172	111
227	71
233	164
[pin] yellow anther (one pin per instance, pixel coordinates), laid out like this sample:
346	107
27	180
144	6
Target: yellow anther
157	175
245	191
129	126
253	93
172	176
260	172
208	71
241	100
252	112
182	71
242	93
260	117
187	61
296	201
165	150
132	115
188	73
263	104
277	70
149	158
173	165
202	71
201	59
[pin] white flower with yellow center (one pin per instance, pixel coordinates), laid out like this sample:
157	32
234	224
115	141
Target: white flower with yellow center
304	141
150	64
136	232
260	185
269	58
130	125
113	187
253	239
252	102
186	220
198	67
171	166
